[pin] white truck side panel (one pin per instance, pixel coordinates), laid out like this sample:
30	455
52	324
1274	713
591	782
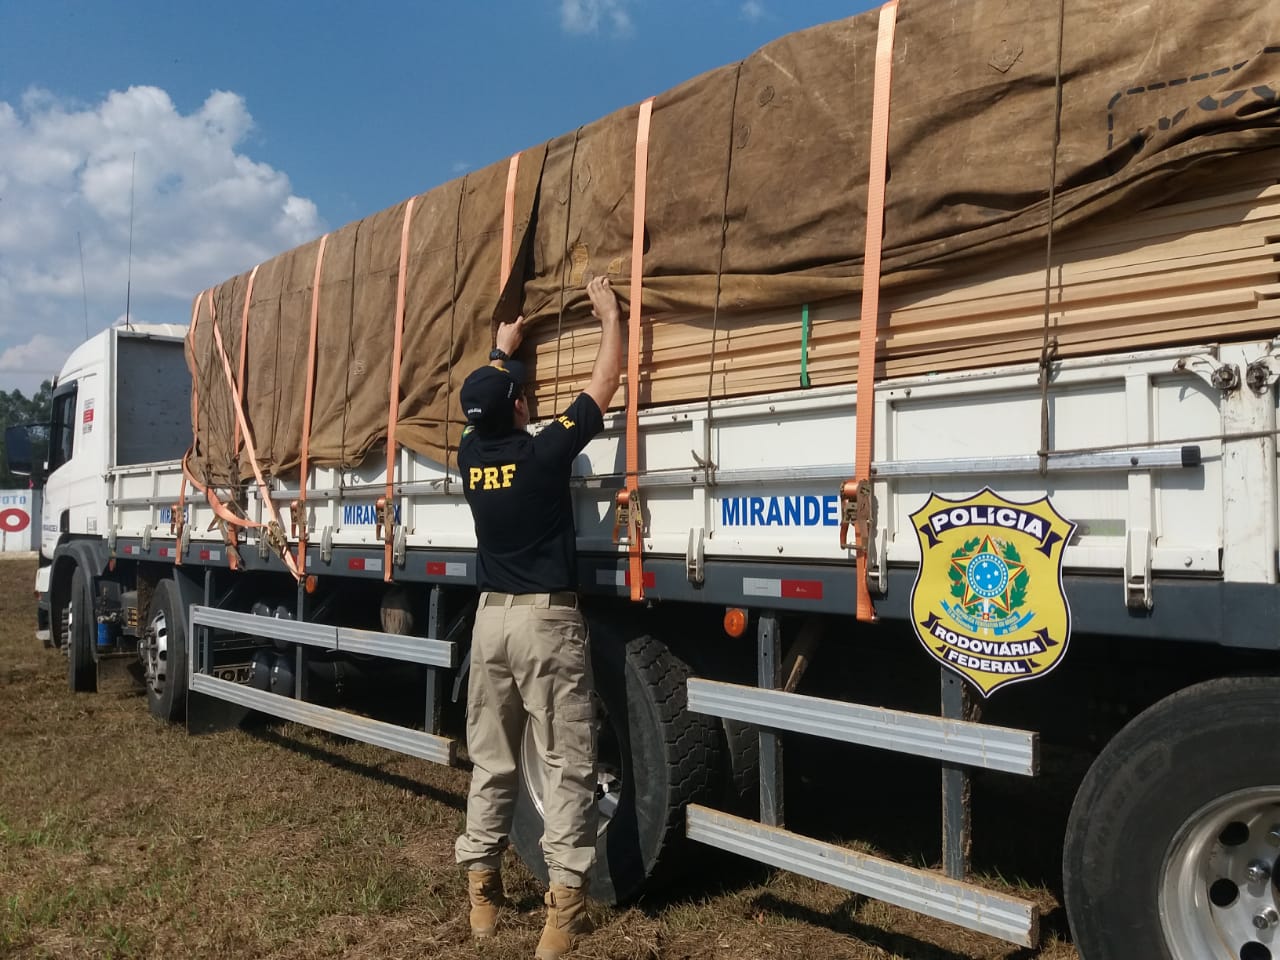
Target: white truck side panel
779	462
1111	403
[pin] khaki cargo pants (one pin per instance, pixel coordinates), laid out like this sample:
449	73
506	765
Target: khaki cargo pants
529	657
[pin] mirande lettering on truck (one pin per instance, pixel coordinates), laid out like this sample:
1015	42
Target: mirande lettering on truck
780	511
166	515
362	514
988	600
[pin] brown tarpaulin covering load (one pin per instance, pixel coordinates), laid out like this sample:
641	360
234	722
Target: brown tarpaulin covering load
756	201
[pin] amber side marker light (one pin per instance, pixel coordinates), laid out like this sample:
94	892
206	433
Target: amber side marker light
735	621
311	583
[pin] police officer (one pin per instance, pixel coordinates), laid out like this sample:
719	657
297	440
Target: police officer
529	655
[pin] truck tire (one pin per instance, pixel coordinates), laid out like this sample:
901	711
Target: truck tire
742	768
82	636
740	777
648	740
163	650
1173	844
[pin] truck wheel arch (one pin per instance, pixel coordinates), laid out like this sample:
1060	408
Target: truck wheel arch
84	554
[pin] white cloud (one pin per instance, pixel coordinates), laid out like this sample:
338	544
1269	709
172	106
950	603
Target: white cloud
203	210
753	10
586	16
41	356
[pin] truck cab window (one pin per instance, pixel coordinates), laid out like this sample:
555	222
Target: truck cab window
62	433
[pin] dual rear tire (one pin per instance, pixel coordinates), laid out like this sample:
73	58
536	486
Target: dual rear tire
162	648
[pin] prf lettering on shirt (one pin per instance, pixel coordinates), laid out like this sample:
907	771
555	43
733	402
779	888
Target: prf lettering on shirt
564	422
491	478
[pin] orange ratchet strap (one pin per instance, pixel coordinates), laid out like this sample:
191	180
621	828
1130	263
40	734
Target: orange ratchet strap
298	509
272	530
244	339
855	495
178	511
386	508
508	223
231	522
628	513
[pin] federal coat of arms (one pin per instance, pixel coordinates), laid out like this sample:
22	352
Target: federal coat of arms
988	599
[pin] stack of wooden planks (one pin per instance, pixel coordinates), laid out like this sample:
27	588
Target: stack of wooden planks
1202	267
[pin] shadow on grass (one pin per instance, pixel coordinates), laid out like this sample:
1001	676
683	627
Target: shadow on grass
1052	924
267	734
840	919
701	874
712	875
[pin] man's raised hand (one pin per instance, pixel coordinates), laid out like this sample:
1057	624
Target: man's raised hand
604	302
510	336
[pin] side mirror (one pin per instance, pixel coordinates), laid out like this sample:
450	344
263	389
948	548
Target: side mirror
17	446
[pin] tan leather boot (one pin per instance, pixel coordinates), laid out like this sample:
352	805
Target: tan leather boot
487	898
567	919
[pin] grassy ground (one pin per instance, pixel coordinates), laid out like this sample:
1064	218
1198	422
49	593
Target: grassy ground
124	837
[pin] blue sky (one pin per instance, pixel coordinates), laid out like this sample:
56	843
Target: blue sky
248	128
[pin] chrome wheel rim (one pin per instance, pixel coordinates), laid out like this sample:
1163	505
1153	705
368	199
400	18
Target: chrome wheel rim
68	620
609	779
1219	891
155	653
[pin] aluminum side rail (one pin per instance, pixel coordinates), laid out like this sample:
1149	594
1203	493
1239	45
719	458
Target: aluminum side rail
433	653
951	741
1135	458
1128	459
932	894
415	743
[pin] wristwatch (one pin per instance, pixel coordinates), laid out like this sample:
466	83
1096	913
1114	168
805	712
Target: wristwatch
496	354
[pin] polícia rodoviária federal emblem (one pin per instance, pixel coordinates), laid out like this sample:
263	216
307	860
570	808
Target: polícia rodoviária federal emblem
988	599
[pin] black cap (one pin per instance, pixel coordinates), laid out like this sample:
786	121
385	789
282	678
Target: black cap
488	395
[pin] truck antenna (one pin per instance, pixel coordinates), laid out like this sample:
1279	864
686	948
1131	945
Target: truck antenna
84	289
128	284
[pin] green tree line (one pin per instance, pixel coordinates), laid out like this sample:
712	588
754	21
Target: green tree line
16	409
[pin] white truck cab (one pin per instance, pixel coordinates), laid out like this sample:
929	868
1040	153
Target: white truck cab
93	431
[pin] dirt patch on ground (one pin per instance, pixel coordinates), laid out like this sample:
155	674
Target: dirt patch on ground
121	836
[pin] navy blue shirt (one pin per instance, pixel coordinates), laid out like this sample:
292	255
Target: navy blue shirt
517	486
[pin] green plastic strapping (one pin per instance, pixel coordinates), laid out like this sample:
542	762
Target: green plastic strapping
804	346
